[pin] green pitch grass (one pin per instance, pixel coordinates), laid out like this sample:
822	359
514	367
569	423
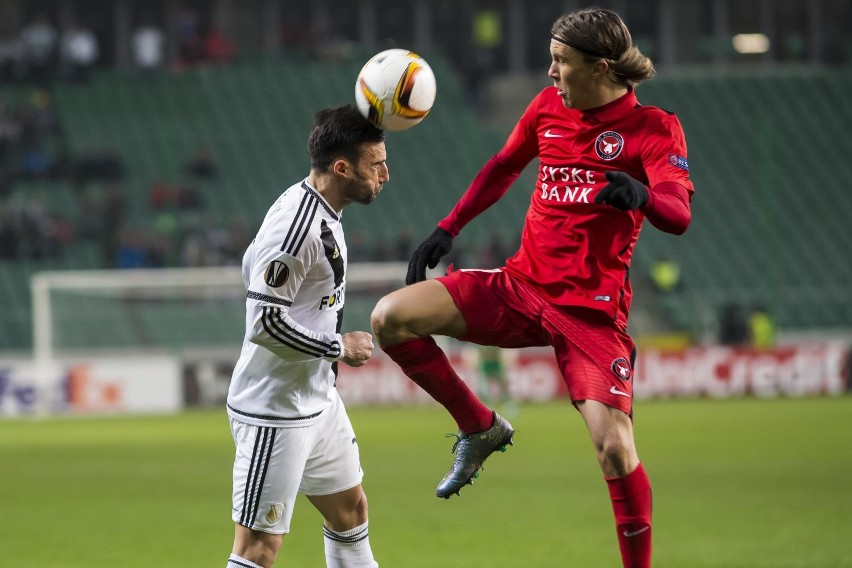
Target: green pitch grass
740	483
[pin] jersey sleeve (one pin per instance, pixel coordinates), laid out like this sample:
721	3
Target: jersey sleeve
664	154
666	167
497	175
275	281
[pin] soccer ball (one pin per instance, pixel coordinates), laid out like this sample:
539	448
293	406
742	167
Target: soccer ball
395	89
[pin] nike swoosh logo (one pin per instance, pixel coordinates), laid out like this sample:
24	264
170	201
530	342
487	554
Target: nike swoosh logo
636	533
547	134
614	390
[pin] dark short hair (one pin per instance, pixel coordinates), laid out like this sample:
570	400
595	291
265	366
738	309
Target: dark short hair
340	132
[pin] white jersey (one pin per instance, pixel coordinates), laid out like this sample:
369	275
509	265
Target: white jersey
294	276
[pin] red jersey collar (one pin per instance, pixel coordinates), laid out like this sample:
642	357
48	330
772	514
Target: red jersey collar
612	110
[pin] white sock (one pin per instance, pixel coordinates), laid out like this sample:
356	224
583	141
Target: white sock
348	549
235	561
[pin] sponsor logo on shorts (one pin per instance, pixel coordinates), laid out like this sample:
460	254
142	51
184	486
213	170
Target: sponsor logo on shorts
276	510
614	390
622	369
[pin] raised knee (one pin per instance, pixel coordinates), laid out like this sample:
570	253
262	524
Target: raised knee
384	321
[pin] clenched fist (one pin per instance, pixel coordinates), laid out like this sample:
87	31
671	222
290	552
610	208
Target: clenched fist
357	347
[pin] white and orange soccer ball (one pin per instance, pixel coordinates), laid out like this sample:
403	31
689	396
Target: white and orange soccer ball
395	89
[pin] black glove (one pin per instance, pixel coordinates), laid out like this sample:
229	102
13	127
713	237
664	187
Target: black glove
622	192
429	253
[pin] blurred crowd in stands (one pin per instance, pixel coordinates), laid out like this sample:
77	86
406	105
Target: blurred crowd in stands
31	147
35	158
41	54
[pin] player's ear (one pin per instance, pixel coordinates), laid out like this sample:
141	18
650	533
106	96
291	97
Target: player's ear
600	68
341	167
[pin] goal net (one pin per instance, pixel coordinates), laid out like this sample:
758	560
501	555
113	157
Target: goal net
123	314
168	309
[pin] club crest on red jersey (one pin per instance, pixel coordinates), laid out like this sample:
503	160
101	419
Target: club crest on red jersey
622	369
608	145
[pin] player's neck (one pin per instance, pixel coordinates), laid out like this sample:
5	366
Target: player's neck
609	93
326	187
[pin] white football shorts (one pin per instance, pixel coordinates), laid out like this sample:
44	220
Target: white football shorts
273	465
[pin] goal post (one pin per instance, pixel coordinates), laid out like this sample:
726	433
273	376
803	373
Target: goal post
170	310
117	285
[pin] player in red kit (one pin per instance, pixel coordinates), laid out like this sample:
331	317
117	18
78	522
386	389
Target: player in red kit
606	163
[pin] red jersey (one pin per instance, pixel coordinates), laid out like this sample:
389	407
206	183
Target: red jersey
576	252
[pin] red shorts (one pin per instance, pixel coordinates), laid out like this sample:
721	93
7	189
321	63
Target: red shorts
594	355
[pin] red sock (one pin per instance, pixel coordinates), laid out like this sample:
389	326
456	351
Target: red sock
427	365
631	503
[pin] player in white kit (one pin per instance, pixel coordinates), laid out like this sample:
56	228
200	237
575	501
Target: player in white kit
291	431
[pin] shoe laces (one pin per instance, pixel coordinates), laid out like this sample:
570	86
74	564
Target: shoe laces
456	443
